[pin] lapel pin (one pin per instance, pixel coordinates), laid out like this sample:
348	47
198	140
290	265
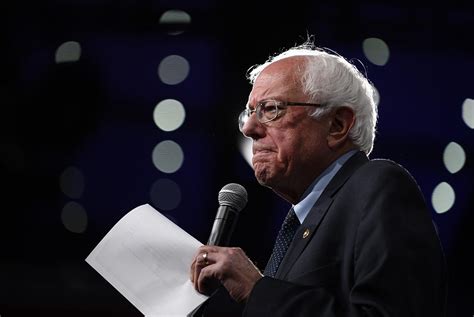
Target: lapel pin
305	233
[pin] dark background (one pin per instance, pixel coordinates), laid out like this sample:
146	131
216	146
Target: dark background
96	115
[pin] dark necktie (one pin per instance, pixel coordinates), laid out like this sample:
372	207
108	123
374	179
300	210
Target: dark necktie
283	240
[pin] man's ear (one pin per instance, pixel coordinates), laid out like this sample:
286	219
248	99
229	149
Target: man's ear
341	123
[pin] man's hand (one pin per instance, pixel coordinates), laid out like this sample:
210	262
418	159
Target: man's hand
229	266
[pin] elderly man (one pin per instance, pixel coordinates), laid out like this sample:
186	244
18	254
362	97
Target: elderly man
359	240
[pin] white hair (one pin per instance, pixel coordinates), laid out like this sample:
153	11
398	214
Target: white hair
329	79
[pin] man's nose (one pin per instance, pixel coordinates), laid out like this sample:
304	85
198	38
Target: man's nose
253	128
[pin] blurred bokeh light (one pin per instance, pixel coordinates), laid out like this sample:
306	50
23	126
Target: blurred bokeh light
173	69
72	182
68	52
74	217
468	112
169	114
443	197
175	21
168	156
454	157
376	51
165	194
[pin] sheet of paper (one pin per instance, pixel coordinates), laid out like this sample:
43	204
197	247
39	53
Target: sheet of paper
147	257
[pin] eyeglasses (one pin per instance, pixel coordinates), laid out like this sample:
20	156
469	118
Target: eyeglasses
269	110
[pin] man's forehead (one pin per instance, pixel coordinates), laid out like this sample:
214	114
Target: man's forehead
284	65
281	72
279	78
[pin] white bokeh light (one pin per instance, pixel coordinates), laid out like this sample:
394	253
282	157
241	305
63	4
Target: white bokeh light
454	157
468	112
173	69
443	197
167	156
175	20
376	51
74	217
169	114
68	52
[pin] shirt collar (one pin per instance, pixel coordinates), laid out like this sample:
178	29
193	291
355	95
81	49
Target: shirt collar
314	191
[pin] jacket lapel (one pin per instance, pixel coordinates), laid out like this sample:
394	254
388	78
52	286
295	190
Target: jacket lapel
309	226
302	236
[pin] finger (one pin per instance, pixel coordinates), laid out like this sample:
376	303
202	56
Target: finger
195	273
203	259
200	280
200	263
192	269
206	282
204	256
207	272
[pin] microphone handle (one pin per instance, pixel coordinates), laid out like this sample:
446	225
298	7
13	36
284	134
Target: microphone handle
223	226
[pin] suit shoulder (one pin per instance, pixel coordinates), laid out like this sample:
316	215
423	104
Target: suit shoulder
381	164
384	170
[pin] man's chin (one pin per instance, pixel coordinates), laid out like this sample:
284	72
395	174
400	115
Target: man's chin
264	178
263	183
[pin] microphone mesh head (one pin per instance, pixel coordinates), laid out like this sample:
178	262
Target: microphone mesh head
233	195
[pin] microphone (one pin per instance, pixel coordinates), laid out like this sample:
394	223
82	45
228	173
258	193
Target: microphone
232	199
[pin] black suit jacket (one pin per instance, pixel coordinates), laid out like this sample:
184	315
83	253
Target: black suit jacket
368	247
